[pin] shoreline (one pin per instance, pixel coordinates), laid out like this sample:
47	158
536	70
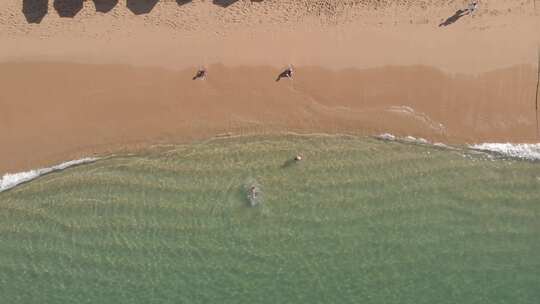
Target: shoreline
493	151
74	110
100	83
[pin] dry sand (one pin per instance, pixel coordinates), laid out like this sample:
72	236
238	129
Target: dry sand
120	77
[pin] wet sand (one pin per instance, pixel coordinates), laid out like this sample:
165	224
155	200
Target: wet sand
101	83
68	110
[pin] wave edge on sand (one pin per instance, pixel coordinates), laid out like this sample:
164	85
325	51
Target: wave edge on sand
530	152
521	151
11	180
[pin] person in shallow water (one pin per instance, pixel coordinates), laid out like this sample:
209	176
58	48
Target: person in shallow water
252	196
253	192
201	74
288	73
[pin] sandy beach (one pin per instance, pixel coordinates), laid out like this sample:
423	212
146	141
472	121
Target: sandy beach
81	78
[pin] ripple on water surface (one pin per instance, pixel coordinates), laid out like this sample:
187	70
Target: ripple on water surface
357	220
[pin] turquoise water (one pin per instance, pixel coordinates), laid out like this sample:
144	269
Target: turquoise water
357	221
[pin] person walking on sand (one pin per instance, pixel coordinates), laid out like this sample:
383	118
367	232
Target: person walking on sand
288	73
201	74
471	9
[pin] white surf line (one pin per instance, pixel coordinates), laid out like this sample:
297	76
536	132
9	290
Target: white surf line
11	180
520	151
529	152
415	140
407	139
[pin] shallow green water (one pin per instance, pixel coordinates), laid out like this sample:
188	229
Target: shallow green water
358	221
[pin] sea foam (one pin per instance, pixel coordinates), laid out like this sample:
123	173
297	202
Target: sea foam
406	139
521	151
10	180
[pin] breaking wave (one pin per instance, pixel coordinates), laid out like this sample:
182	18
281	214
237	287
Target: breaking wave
521	151
10	180
409	139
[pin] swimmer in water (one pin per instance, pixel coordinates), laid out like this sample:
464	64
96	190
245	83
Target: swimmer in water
253	191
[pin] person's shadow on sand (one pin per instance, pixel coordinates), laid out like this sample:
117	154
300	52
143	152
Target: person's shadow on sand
459	13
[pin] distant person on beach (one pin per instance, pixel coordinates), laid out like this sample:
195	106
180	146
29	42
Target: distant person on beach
288	73
471	9
201	74
473	5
